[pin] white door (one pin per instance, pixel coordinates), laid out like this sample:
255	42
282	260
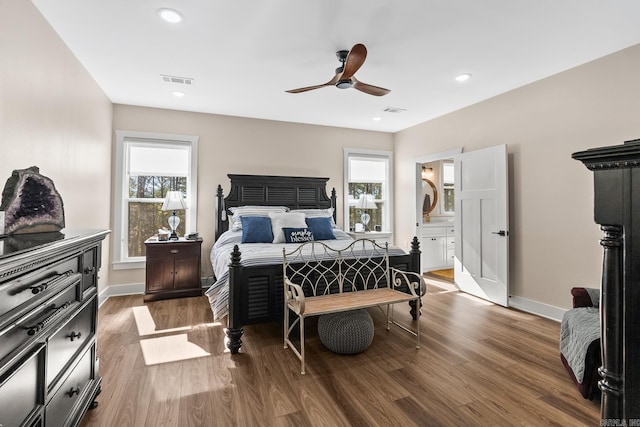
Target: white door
482	224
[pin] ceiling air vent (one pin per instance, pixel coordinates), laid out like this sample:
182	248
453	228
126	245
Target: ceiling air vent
394	110
176	79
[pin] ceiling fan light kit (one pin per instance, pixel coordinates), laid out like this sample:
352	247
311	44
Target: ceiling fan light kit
344	78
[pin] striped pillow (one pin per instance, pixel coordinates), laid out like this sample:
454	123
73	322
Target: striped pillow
240	211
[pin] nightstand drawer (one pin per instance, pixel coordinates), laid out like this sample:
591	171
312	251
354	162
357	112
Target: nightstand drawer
180	250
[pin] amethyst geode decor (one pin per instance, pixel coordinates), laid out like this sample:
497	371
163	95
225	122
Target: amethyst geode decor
31	203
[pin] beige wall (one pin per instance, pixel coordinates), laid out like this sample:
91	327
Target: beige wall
54	116
243	145
554	241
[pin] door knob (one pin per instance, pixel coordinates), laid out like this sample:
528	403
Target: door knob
500	233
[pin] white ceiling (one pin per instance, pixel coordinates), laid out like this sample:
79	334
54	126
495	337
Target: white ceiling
243	55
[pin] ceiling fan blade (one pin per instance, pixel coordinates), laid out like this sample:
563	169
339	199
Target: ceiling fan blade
355	59
370	89
331	82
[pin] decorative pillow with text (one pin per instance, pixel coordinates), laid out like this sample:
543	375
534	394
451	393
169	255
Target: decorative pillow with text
297	235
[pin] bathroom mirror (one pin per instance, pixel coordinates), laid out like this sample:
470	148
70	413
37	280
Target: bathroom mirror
429	196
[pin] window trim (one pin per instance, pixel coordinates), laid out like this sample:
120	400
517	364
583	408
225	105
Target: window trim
374	154
119	189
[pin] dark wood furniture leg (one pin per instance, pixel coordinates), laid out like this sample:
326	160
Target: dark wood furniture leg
234	326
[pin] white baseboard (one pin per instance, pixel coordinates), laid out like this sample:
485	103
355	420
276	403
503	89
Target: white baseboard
119	290
135	289
537	308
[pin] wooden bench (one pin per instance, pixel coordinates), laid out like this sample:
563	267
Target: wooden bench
320	280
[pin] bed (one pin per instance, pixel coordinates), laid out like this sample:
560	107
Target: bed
248	285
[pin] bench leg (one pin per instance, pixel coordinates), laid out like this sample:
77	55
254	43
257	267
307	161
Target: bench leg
302	345
286	325
418	329
389	317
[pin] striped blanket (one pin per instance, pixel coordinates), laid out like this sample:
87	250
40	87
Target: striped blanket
254	254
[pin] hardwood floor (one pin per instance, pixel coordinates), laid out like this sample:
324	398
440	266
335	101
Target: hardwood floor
164	364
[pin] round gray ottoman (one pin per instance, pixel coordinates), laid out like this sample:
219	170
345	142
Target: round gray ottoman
346	332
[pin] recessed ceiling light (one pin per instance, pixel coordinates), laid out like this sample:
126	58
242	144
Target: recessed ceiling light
178	94
463	77
377	119
170	15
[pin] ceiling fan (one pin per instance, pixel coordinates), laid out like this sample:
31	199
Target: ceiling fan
351	61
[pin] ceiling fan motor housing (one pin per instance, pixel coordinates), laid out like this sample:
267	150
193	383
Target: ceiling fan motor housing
344	84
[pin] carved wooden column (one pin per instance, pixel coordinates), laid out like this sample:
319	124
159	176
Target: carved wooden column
617	209
234	327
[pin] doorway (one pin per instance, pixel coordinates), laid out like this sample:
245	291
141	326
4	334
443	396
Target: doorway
435	214
475	235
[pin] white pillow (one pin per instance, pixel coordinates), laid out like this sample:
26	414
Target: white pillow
285	219
318	213
240	211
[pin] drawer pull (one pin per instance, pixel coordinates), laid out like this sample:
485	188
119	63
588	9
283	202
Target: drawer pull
73	391
174	251
32	330
36	289
89	270
73	335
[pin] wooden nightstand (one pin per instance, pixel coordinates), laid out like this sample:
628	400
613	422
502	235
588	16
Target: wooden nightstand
173	269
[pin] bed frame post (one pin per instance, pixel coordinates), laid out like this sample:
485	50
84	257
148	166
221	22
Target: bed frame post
220	209
234	325
334	202
415	267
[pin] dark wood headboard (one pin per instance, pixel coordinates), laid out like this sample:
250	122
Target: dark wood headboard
295	192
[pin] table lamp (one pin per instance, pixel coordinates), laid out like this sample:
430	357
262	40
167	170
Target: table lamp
364	203
174	202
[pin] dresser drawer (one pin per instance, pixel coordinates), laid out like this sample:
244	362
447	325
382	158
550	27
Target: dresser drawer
90	267
451	242
61	405
28	289
65	343
20	396
433	231
18	334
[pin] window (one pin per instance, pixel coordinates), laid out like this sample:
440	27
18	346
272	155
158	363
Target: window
368	190
448	201
147	167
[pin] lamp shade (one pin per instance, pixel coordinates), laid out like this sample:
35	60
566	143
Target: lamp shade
366	202
174	201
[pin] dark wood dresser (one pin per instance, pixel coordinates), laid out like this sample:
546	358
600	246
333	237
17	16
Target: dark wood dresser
616	178
173	269
48	313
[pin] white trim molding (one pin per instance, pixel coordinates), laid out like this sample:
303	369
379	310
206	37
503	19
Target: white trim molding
538	308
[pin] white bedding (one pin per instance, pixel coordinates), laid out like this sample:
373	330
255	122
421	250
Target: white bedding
254	254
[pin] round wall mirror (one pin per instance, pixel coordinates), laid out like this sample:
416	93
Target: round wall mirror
430	196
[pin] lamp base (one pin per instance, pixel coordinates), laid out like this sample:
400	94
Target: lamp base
365	218
174	221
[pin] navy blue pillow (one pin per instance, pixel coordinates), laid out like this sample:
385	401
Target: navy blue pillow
256	229
297	235
321	228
